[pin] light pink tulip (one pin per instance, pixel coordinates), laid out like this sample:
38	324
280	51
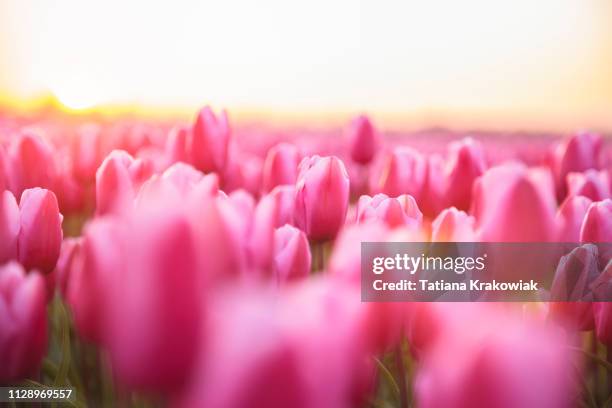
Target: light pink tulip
4	170
292	257
280	166
496	360
115	189
23	323
597	224
87	153
177	148
402	171
592	184
32	164
464	165
514	204
363	140
602	311
395	212
210	136
322	194
9	226
40	234
70	254
570	216
285	204
453	225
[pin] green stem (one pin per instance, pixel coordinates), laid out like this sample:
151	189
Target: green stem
389	378
399	359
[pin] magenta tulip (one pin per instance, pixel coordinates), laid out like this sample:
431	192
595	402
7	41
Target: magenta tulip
32	164
5	177
87	153
281	166
592	184
570	217
292	257
322	194
210	136
464	165
363	140
177	148
602	311
514	204
395	212
9	226
40	235
23	323
597	224
403	171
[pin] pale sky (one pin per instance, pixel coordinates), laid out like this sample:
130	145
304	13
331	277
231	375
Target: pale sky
473	59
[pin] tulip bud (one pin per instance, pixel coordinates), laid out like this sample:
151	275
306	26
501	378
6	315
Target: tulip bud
209	142
40	235
4	171
571	291
177	145
570	216
114	187
590	183
32	164
395	212
322	194
86	154
285	204
23	319
403	171
9	226
292	257
69	256
602	311
465	164
363	140
280	166
453	225
512	203
597	224
260	245
578	153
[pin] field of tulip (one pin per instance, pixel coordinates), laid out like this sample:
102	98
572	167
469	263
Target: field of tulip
145	263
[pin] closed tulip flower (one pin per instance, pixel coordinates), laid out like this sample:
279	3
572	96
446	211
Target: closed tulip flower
570	216
114	186
292	257
514	204
602	311
597	224
402	171
280	166
23	319
210	137
453	225
592	184
9	226
395	212
4	171
177	145
285	204
32	164
464	165
363	140
322	194
40	235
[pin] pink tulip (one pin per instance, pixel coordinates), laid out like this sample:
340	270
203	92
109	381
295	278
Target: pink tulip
155	303
260	245
576	154
23	319
292	257
453	225
114	185
395	212
4	170
9	226
497	360
285	204
363	140
570	216
209	142
177	148
32	164
597	224
465	164
70	254
590	183
571	292
322	194
432	199
87	153
602	311
280	166
514	204
40	235
403	171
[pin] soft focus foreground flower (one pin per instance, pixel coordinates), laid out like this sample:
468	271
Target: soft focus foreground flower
603	311
395	212
514	204
497	360
23	322
32	164
363	141
292	257
40	235
9	226
322	194
210	136
402	171
280	166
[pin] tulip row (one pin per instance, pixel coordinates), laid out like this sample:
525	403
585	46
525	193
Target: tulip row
215	270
